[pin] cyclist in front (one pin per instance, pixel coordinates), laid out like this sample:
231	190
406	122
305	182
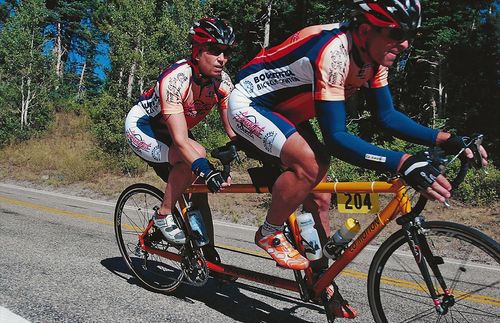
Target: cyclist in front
311	75
157	127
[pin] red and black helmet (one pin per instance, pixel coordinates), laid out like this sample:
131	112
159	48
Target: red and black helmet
404	14
211	30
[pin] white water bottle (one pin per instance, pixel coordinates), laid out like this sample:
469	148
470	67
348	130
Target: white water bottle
310	237
198	227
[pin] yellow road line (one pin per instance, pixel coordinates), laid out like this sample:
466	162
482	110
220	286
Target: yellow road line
56	211
346	272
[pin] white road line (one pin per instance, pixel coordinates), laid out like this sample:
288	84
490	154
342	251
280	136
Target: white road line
56	194
9	317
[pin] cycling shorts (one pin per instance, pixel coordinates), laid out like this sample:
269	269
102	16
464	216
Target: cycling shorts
142	138
265	129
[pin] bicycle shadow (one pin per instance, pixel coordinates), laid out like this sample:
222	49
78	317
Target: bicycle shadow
229	299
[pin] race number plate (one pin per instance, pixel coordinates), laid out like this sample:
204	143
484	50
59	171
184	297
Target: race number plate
357	203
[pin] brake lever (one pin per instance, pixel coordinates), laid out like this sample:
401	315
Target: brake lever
478	158
234	153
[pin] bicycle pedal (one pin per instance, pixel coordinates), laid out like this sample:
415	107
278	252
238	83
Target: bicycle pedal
337	305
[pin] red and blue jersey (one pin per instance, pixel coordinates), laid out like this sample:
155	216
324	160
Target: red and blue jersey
316	63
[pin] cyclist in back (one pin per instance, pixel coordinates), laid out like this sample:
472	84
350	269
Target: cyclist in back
311	75
157	127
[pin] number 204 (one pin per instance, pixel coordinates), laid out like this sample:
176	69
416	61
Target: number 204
357	203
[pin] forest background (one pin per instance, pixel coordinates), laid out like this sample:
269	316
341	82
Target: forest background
71	70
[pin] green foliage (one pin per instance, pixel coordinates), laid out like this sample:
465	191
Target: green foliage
107	114
210	133
344	172
452	72
478	188
24	73
145	37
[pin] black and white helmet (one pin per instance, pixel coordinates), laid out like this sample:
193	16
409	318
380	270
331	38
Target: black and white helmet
404	14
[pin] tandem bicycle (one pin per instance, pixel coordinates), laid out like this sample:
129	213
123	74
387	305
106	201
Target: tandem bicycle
426	271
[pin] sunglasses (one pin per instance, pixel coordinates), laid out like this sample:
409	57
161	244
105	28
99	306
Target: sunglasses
216	50
398	34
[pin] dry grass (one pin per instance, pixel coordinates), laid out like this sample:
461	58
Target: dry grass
66	155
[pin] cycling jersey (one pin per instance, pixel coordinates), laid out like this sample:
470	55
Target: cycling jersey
319	60
178	90
312	74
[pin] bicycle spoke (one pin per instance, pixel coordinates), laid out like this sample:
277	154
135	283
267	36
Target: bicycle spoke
473	310
408	296
419	316
134	225
461	315
413	275
464	295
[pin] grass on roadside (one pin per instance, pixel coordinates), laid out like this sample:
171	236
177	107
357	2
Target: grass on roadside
67	155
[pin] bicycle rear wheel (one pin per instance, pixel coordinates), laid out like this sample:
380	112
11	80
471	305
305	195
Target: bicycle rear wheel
470	266
133	212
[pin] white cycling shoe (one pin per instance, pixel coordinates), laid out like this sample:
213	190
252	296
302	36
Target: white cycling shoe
169	228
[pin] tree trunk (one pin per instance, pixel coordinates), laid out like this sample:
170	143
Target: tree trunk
23	108
26	93
58	53
267	24
141	72
435	86
131	76
120	78
81	84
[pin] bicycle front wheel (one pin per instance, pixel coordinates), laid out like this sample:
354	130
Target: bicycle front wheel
468	260
133	212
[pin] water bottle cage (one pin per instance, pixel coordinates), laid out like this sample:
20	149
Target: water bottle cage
333	250
307	246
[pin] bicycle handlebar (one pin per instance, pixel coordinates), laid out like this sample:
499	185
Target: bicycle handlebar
439	161
226	154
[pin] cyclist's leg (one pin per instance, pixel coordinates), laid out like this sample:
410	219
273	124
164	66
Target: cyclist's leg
180	174
142	132
304	172
275	135
318	203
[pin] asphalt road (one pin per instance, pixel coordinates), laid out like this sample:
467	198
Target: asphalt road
59	261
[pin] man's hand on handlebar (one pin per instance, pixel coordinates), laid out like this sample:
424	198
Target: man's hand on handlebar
215	179
471	147
419	172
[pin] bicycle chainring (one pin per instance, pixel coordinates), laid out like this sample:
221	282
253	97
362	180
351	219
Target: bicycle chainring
195	267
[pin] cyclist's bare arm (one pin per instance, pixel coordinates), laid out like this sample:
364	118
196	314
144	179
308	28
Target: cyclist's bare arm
177	127
225	123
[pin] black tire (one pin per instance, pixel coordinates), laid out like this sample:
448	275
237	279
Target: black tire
471	267
133	212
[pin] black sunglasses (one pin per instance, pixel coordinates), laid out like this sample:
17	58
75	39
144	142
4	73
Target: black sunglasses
216	49
398	34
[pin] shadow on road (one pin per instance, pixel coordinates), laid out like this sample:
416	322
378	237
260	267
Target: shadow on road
228	299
